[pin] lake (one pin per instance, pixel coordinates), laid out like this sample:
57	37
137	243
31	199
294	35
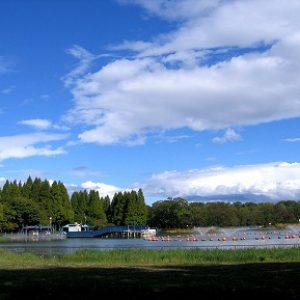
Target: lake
245	238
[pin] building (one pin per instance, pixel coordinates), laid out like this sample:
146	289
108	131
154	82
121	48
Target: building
72	228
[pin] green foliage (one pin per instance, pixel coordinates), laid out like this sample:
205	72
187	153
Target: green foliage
34	202
172	213
177	213
95	212
128	208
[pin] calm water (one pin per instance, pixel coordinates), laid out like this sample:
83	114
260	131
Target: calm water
253	239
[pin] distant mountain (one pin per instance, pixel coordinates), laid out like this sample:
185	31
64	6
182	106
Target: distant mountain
229	198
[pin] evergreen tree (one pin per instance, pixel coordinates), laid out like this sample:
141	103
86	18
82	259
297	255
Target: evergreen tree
79	202
95	211
44	202
27	188
136	209
118	209
107	208
35	189
67	210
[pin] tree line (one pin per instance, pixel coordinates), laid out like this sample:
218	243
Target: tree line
41	202
179	213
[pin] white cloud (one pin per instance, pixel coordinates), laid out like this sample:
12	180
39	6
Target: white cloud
27	145
292	140
212	24
169	84
102	188
2	181
42	124
37	123
176	9
230	135
276	181
85	59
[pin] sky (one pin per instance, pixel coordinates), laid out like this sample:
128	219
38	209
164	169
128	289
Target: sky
183	98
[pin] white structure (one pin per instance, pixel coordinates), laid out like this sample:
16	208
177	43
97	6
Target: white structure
72	227
148	232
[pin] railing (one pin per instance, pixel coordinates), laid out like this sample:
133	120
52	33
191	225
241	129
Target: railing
108	230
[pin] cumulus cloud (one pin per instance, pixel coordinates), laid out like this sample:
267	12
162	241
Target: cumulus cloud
102	188
275	181
27	145
230	135
228	63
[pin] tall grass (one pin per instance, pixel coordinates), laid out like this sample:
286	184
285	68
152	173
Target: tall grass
151	257
142	257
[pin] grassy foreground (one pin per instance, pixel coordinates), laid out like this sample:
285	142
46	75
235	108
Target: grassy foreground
145	274
150	257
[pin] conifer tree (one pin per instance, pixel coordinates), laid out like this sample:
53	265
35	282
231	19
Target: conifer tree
95	211
27	188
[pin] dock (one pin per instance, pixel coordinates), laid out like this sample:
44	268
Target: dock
126	231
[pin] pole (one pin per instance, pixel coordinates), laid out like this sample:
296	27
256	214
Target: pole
50	224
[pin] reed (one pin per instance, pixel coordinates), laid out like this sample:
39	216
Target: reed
151	257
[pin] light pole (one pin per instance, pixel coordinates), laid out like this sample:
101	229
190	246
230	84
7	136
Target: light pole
50	224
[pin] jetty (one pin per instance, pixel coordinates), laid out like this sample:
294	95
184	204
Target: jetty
126	231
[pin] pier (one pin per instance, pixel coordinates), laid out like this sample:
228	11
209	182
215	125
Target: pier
127	231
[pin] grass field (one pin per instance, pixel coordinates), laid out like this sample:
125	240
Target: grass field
145	274
151	257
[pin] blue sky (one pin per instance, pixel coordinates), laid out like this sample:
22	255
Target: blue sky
191	98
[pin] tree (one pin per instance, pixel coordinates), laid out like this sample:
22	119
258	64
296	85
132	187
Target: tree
173	213
79	202
107	207
95	212
35	189
118	209
25	212
27	188
8	220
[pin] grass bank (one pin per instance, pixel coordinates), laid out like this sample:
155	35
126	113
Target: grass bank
153	274
151	257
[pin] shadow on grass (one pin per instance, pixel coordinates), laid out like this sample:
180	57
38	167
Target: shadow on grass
222	282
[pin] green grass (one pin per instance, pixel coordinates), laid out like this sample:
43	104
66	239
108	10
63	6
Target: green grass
151	257
4	239
148	257
152	274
